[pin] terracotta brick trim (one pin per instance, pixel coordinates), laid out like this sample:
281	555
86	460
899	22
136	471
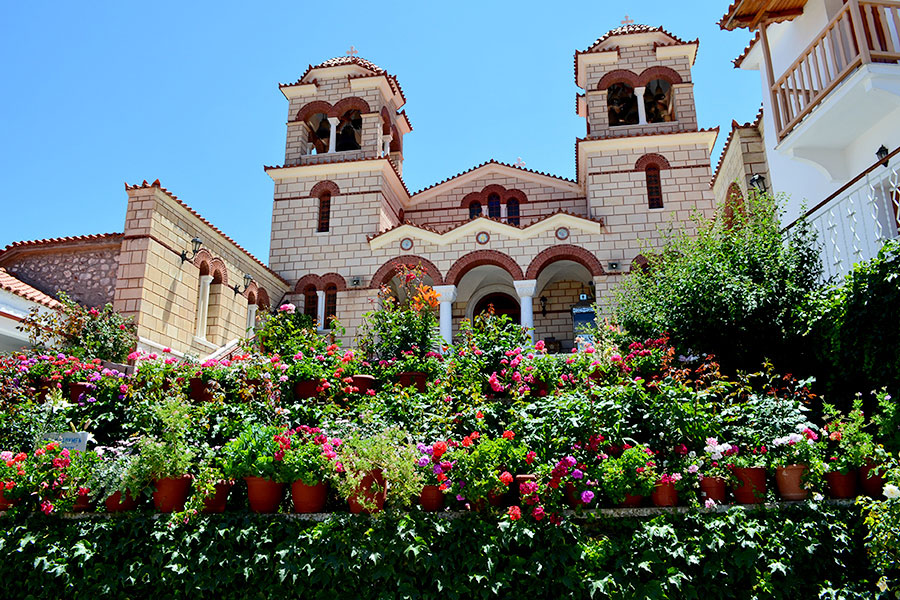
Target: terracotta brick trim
390	268
315	107
494	188
219	271
640	262
351	103
564	252
250	293
203	261
659	72
483	257
385	121
619	76
333	278
262	298
657	160
324	186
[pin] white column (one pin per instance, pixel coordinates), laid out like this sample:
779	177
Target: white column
386	149
642	110
332	137
526	290
446	296
503	212
320	309
203	305
251	318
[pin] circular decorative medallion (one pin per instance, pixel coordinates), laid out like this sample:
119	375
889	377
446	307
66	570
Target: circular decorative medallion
406	244
562	233
482	237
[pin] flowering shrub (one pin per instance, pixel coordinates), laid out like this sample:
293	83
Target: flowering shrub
285	331
846	444
12	474
631	473
308	454
484	466
51	487
714	461
795	448
432	464
258	452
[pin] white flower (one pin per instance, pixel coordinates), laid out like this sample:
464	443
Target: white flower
891	491
818	497
710	503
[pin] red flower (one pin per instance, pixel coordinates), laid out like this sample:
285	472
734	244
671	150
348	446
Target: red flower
479	415
475	435
467	441
529	458
538	513
506	477
438	449
515	513
508	434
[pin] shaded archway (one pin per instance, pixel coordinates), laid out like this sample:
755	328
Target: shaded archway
483	257
501	303
564	252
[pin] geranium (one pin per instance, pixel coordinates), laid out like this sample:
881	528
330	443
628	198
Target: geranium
515	513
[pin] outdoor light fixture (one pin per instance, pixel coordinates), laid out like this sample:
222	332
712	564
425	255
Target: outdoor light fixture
544	306
758	182
195	247
882	154
247	279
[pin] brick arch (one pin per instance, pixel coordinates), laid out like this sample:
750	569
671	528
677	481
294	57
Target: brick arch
351	103
640	262
385	121
483	257
517	194
262	299
306	281
314	107
493	188
324	186
659	72
390	268
396	140
251	298
250	292
618	76
219	271
564	252
657	160
337	280
203	261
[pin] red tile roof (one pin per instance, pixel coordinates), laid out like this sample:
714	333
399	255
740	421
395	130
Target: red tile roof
734	127
330	162
338	61
23	290
94	237
157	184
636	28
494	162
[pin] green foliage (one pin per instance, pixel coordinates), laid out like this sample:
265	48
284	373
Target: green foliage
482	344
253	454
480	465
633	473
81	331
286	331
847	443
736	288
167	450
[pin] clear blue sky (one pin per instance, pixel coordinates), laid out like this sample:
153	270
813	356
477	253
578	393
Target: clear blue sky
100	93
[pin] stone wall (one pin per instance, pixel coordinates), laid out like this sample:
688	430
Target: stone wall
744	155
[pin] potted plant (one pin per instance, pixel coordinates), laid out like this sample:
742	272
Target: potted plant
484	468
749	468
433	467
115	480
12	478
795	457
256	455
307	463
712	470
377	469
847	447
306	373
631	476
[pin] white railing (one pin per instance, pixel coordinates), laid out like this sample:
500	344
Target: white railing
855	222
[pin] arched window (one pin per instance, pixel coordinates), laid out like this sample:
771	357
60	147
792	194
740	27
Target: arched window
330	303
310	302
654	187
474	209
324	212
494	206
319	132
622	104
734	203
658	101
349	132
512	212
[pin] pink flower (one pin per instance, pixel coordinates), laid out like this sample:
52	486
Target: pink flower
167	350
539	345
506	477
538	511
288	308
515	513
710	503
587	496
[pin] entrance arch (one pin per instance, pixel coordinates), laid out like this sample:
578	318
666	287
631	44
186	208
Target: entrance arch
502	302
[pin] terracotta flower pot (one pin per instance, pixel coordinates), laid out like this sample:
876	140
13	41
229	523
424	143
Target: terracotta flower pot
872	485
841	485
6	503
789	480
415	379
373	479
712	488
76	390
82	503
171	493
364	383
540	388
495	499
631	501
572	496
116	503
431	499
309	498
264	494
305	389
216	503
199	390
751	486
665	494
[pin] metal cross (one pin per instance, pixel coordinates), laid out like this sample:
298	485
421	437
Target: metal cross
519	162
352	51
627	21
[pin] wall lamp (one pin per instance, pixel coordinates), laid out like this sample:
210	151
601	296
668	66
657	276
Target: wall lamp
247	279
195	247
544	306
758	182
882	154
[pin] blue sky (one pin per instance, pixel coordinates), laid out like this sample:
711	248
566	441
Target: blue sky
102	93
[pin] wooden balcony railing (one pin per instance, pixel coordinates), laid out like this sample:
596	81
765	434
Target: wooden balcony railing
862	32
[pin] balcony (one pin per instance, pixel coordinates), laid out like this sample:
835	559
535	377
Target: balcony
862	41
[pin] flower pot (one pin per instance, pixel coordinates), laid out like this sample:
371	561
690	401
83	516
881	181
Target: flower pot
171	493
572	496
872	485
364	383
216	503
6	503
309	498
497	499
516	495
77	389
712	488
199	390
116	503
540	388
630	501
789	480
114	366
373	479
264	494
82	503
431	499
841	485
665	494
415	379
751	486
305	389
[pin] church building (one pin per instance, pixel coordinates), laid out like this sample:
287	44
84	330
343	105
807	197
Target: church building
531	244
